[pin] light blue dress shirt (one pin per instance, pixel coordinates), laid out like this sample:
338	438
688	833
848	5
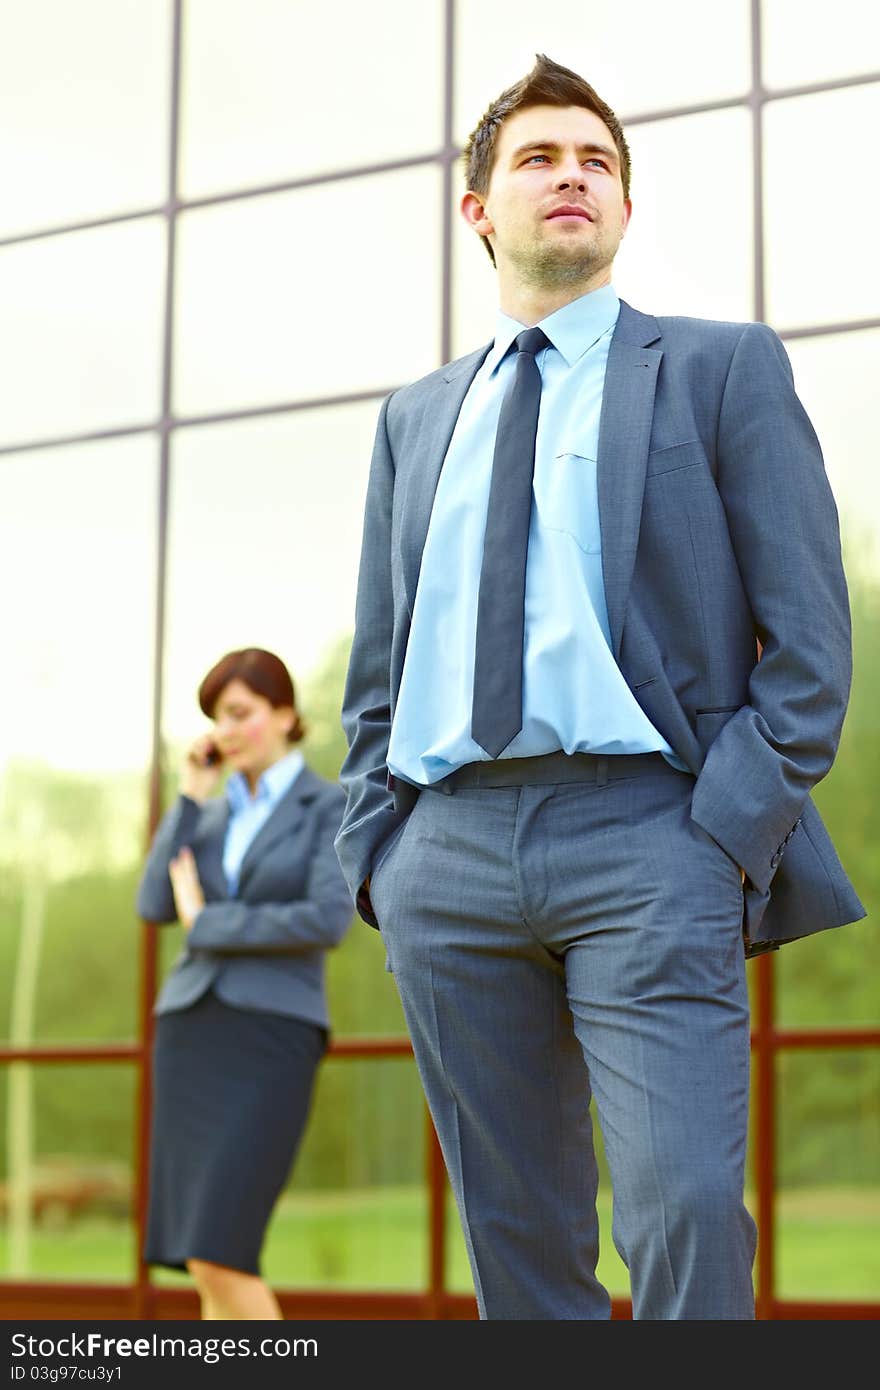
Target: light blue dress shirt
248	814
574	696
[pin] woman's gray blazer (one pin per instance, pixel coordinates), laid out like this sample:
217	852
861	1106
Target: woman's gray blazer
264	948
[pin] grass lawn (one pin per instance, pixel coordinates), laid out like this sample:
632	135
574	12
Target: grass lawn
828	1245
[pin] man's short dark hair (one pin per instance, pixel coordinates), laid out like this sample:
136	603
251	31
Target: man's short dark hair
548	84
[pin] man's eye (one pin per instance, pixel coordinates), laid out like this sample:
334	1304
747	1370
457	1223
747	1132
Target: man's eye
601	163
533	157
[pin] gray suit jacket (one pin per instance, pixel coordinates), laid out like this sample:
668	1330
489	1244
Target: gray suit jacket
263	949
718	528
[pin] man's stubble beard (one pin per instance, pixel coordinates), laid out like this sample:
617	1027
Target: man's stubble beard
553	266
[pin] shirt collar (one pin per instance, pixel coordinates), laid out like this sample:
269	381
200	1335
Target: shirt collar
572	330
272	785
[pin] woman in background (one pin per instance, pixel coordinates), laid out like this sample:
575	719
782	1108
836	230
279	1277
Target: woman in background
253	879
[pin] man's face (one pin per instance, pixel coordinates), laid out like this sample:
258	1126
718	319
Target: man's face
555	211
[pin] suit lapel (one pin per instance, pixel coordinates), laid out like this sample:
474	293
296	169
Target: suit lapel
290	810
436	431
624	439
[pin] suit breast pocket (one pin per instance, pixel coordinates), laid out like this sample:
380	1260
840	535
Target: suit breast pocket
567	497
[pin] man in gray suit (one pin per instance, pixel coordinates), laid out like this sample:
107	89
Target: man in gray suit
575	792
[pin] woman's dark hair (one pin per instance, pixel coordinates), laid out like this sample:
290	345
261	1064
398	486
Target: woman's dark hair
262	672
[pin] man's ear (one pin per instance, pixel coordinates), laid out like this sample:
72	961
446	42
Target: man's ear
473	211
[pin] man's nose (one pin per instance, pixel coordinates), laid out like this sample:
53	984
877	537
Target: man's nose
569	174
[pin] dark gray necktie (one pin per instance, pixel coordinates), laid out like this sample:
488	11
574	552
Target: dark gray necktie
496	715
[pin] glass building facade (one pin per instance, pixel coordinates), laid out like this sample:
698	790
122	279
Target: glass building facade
227	229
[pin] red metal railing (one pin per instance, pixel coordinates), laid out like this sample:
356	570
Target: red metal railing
142	1299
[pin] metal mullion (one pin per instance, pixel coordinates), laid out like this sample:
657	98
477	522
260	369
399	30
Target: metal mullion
821	1039
764	1158
357	171
392	1045
435	1175
763	1054
809	89
174	422
756	108
72	1052
696	108
764	94
149	945
86	437
63	228
829	329
372	393
396	1045
177	205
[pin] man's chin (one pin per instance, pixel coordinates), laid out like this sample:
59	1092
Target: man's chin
564	265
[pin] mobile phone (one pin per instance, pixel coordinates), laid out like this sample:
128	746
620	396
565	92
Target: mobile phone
213	756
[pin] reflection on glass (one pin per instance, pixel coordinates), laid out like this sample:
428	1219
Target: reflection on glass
831	978
66	1180
77	549
801	44
834	377
474	283
82	331
685	52
84	95
265	527
822	211
689	245
322	291
828	1210
283	91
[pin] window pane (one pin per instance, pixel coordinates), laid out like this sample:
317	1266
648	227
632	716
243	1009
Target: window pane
356	1211
82	331
323	291
689	248
280	91
835	375
474	285
801	44
66	1180
828	1215
83	110
831	979
822	208
704	48
266	518
77	548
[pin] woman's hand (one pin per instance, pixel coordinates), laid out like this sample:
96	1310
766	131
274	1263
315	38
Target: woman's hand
186	886
198	776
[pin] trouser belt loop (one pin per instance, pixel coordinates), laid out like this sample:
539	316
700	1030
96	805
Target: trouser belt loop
601	771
